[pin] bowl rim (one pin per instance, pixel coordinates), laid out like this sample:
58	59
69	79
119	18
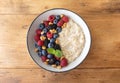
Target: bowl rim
34	21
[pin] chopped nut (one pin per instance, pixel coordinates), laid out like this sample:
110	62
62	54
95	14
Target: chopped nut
43	47
42	32
36	49
62	57
42	37
64	25
59	67
46	63
50	23
54	66
47	60
57	42
61	15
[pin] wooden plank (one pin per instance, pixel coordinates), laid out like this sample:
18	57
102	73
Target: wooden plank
104	51
76	76
79	6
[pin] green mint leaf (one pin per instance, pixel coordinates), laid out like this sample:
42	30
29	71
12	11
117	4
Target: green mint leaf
51	50
58	53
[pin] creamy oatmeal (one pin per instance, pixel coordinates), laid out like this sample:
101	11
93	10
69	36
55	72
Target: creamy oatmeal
72	40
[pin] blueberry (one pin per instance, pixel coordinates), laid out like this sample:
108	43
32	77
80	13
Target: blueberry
55	35
57	17
39	54
36	45
58	29
57	62
46	42
51	61
52	40
44	52
54	26
41	26
57	46
49	27
45	30
39	48
55	21
50	45
50	56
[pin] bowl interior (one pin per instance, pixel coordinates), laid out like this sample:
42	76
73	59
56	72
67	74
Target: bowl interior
44	16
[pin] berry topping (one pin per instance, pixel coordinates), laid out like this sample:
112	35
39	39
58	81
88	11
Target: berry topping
60	23
65	18
46	23
38	31
51	18
55	35
49	35
64	62
44	58
42	26
40	43
58	29
50	56
36	38
44	52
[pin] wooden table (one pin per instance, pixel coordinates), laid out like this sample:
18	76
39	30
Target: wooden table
102	64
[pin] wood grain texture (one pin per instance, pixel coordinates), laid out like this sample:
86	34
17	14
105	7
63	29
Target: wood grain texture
102	64
80	6
76	76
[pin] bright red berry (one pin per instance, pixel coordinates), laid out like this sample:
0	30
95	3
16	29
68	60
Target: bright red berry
38	31
60	23
46	23
43	58
49	35
64	62
51	18
57	58
36	38
40	43
65	18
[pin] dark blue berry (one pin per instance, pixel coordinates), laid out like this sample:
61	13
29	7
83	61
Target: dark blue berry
40	48
52	40
55	21
50	56
57	46
36	45
57	62
46	42
51	61
44	52
55	35
41	26
58	29
50	45
39	54
57	17
45	30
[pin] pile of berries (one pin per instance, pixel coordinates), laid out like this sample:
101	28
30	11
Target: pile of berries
46	41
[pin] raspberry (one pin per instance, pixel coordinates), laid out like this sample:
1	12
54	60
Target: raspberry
46	23
40	43
38	31
36	38
51	18
43	58
64	62
65	18
60	23
49	35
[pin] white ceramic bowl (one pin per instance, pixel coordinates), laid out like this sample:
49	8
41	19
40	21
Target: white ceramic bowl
44	16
